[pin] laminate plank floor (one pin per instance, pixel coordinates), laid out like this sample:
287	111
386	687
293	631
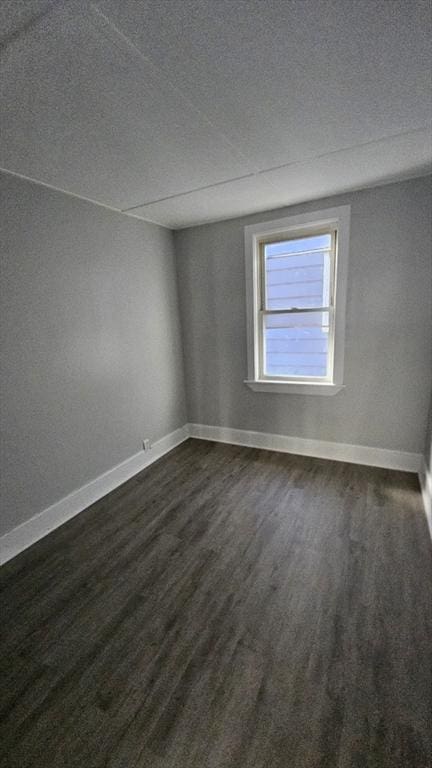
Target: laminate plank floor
225	608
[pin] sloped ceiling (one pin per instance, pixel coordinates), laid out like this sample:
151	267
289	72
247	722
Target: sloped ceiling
184	111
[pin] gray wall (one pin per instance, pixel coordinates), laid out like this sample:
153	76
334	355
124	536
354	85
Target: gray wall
428	442
90	343
388	332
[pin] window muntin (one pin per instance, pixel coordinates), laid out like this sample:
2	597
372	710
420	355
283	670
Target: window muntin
296	312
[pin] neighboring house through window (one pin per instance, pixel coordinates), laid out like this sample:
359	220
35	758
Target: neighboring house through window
296	276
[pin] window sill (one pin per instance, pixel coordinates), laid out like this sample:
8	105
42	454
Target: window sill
288	387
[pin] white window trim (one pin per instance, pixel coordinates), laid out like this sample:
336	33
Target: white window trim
339	217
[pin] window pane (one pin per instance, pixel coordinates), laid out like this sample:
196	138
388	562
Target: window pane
311	242
297	344
297	273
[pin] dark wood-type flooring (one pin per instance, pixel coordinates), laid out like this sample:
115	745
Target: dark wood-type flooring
226	608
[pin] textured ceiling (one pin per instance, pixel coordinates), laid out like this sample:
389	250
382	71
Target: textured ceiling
184	111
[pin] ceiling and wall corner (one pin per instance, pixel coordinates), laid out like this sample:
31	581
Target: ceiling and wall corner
194	110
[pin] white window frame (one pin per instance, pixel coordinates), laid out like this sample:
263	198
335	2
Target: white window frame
335	220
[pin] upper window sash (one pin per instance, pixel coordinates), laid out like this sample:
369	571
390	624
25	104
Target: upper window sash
282	238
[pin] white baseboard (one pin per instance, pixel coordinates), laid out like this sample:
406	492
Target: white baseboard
322	449
21	537
52	517
425	477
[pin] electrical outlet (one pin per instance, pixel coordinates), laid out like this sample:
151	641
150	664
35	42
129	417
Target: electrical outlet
146	444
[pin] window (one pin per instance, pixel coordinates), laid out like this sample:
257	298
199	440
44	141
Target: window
296	270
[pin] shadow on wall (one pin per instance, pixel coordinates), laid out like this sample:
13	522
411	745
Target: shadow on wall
428	444
207	360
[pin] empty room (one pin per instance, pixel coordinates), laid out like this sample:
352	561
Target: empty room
216	378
